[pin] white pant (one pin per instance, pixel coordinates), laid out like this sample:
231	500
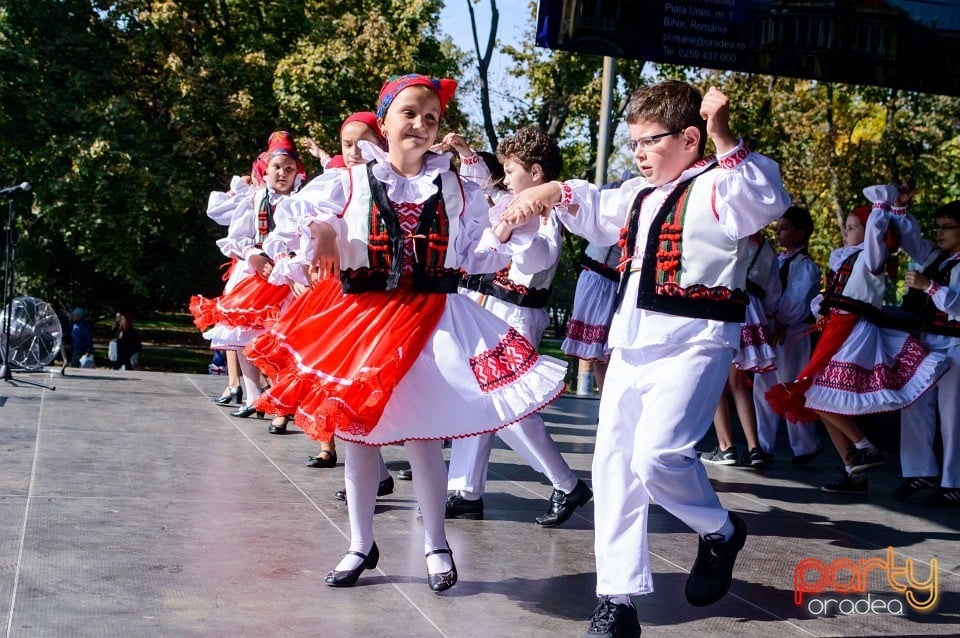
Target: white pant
657	403
918	425
792	356
470	456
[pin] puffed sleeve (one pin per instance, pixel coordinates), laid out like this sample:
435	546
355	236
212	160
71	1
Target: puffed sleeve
221	206
242	231
594	214
749	192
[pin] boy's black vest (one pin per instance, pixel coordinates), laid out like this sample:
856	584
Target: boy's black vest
917	302
665	237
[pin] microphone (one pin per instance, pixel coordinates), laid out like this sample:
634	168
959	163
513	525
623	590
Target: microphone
22	186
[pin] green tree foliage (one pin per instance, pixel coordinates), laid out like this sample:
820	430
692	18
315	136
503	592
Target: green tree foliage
125	115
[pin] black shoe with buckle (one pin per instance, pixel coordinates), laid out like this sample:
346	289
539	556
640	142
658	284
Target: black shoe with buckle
562	505
459	507
349	577
612	620
442	581
712	572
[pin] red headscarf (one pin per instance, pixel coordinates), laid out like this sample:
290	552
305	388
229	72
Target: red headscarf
259	168
861	213
281	143
443	87
370	119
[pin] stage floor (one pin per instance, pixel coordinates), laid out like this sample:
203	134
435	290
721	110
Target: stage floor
130	505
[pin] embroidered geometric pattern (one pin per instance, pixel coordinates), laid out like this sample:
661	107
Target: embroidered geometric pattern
504	364
849	377
755	335
408	215
732	161
586	332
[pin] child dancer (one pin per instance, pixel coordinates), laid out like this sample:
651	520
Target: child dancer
858	367
676	328
253	303
933	293
413	361
756	355
221	206
800	283
518	294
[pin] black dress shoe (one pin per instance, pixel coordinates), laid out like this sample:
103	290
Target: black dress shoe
385	487
245	411
328	458
444	580
459	507
349	577
562	505
279	429
235	396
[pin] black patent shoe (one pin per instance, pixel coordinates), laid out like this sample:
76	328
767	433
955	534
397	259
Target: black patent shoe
349	577
325	458
562	505
385	487
245	411
444	580
279	428
235	396
459	507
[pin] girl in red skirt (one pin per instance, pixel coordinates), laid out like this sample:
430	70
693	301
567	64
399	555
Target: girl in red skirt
252	302
410	360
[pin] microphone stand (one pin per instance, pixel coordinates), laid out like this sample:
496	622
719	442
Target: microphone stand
9	266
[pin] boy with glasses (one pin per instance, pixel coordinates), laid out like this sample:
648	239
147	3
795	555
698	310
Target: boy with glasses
933	293
683	228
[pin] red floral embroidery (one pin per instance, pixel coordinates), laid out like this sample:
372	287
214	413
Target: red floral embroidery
505	363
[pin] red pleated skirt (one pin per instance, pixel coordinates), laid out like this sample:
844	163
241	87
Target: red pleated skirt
335	359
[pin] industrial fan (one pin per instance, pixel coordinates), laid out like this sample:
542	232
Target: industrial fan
35	333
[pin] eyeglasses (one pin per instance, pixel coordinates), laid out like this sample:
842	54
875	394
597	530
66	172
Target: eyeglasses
943	229
646	143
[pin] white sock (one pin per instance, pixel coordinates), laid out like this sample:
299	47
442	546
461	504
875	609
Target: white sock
430	486
469	496
727	530
360	473
863	444
849	469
